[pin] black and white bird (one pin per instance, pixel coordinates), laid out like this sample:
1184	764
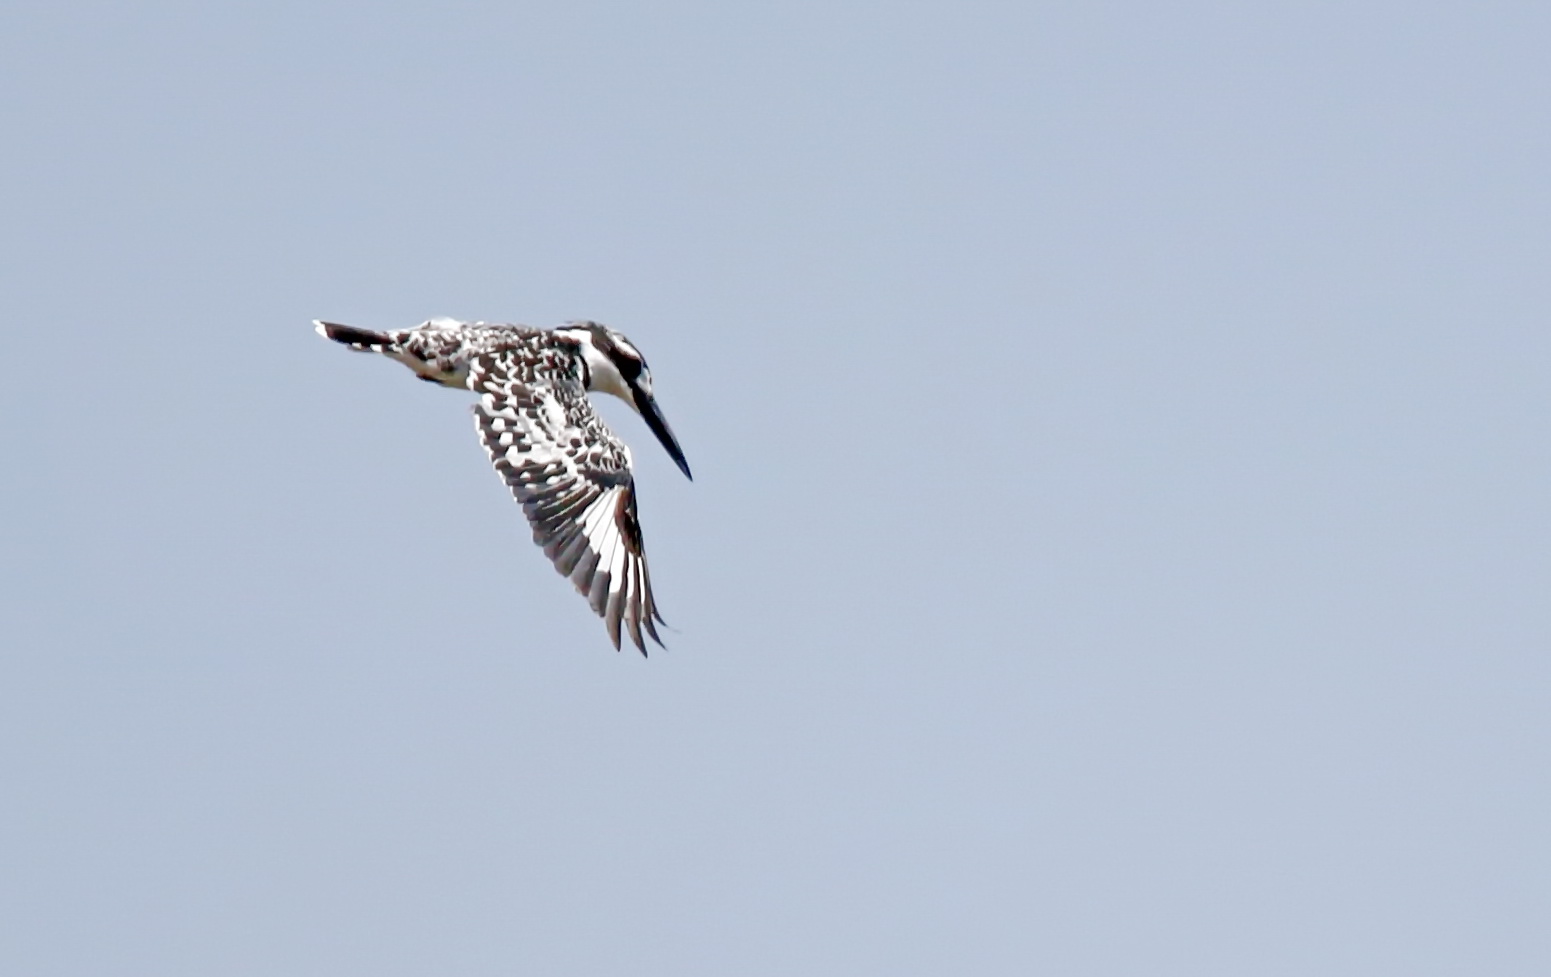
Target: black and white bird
571	474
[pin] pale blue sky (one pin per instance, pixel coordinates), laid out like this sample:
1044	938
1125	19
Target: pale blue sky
1118	542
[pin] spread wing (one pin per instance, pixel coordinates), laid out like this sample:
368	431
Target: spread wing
572	477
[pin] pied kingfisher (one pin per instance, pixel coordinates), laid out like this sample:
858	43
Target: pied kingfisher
569	472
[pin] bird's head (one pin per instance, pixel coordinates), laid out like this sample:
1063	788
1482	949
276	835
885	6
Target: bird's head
613	365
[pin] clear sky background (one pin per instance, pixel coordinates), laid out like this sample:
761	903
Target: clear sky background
1119	540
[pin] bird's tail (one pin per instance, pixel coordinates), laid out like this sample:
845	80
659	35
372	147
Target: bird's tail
364	340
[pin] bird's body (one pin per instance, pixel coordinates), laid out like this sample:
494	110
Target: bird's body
571	474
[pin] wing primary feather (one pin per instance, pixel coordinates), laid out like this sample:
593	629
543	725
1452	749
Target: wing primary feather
612	613
581	574
599	594
612	587
587	561
651	599
555	541
633	608
602	577
577	545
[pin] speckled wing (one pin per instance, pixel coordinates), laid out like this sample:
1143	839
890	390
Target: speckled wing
572	477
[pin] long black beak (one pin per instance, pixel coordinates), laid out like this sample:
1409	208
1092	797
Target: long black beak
654	420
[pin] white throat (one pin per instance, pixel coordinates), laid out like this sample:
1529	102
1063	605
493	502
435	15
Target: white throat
603	375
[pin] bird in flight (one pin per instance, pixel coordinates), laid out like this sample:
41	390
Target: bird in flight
569	472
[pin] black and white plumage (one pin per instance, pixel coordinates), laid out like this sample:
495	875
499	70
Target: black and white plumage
571	474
